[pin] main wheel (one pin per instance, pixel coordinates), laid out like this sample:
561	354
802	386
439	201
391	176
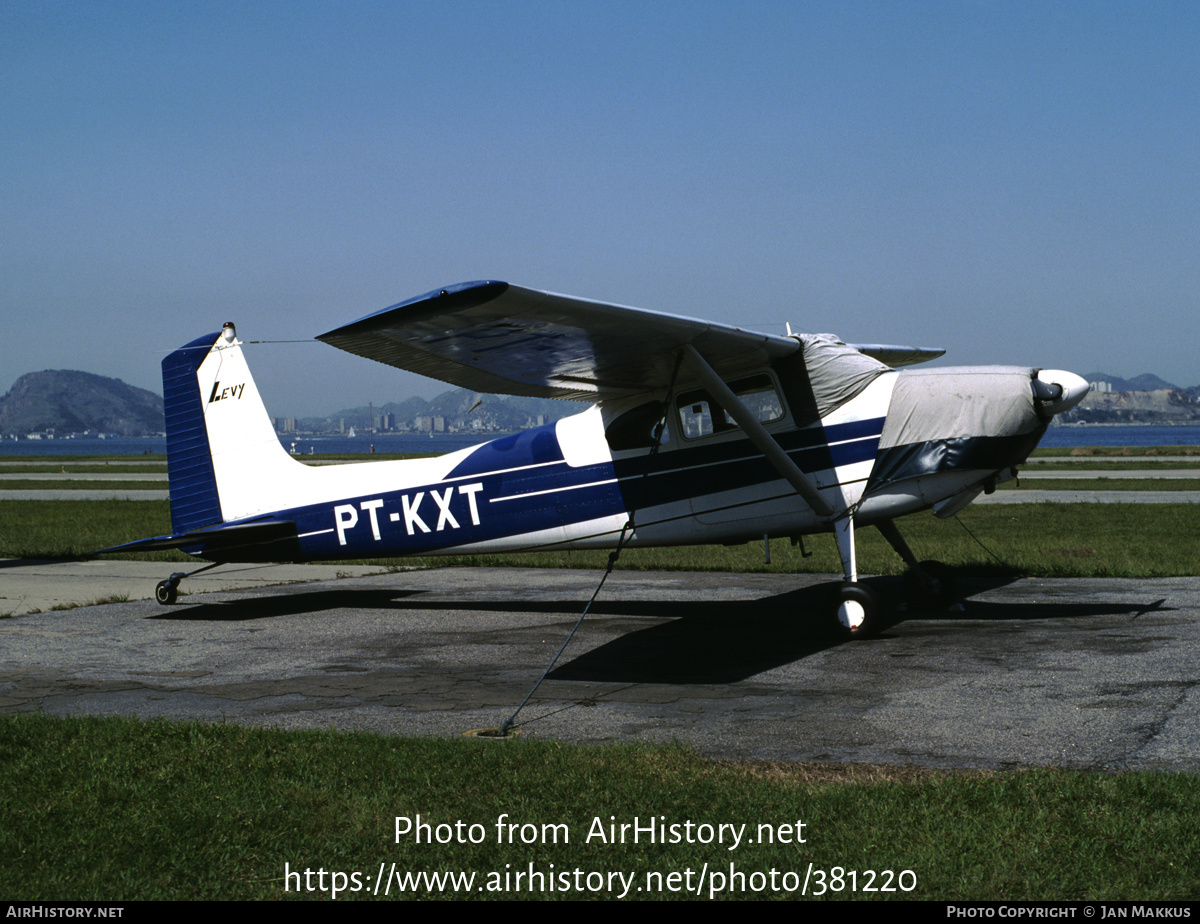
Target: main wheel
858	611
166	593
934	589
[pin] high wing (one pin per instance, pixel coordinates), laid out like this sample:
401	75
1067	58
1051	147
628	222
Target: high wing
499	338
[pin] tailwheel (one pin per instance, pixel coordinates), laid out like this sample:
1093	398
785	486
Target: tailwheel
930	586
858	611
166	592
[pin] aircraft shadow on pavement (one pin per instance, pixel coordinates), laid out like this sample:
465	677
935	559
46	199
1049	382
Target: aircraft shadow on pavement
728	642
711	642
984	611
281	603
27	562
995	611
690	641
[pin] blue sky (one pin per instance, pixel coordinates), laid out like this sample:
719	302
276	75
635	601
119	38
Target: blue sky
1017	182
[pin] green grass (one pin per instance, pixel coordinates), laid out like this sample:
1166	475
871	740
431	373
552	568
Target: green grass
117	809
59	460
133	484
77	528
77	467
1048	540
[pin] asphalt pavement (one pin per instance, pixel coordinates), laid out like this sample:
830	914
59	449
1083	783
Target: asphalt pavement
1081	672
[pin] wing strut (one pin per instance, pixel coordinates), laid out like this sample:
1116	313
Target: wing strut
756	431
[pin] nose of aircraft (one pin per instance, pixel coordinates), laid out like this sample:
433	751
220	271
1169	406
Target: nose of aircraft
1057	391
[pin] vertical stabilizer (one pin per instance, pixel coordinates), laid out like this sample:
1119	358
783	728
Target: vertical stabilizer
223	457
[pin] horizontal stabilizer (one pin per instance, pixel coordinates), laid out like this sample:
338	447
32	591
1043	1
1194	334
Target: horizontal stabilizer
272	540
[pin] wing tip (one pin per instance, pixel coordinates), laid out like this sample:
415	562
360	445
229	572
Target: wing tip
896	355
448	298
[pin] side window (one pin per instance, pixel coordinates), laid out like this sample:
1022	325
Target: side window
758	393
696	415
701	415
636	429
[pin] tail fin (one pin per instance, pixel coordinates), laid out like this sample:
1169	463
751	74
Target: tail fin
223	458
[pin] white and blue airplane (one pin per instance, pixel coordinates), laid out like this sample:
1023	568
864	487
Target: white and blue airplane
699	433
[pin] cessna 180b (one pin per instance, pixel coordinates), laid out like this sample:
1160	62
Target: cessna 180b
698	433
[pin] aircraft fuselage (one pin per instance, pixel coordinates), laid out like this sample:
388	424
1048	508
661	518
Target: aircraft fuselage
563	486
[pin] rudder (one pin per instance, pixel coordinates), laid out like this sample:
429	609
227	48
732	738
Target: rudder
194	499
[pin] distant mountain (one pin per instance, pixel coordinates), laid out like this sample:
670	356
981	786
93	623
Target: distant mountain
72	402
1147	381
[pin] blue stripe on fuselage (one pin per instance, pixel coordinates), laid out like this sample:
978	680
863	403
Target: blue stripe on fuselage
695	471
522	484
467	509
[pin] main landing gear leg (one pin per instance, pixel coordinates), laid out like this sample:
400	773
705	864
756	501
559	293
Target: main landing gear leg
858	609
928	584
167	592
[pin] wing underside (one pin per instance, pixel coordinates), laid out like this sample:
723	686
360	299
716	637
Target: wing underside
499	338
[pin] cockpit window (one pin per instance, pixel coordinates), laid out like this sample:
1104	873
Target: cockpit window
701	415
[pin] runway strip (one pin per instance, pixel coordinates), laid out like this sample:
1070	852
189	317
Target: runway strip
1037	496
1088	673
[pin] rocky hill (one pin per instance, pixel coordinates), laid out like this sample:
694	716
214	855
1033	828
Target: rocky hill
1160	406
1143	399
66	401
